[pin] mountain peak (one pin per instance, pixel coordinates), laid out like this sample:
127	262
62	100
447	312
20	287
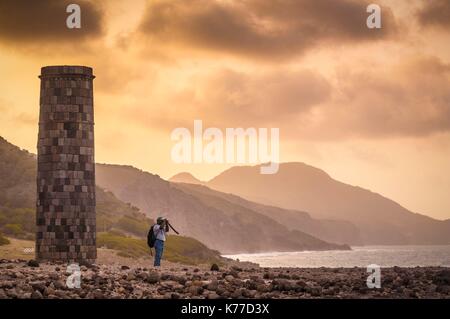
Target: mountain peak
285	170
301	187
185	177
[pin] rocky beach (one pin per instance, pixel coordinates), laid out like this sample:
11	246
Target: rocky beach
29	279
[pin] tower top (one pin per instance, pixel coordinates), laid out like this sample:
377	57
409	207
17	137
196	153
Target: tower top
66	70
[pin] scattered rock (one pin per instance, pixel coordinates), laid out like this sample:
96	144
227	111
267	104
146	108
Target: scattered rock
153	277
262	288
213	295
213	285
215	267
182	280
49	291
220	290
98	294
195	290
36	295
268	275
236	294
142	275
165	276
33	263
38	285
110	281
59	284
442	277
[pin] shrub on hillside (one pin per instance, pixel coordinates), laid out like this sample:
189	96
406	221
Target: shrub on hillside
13	229
4	240
132	247
133	225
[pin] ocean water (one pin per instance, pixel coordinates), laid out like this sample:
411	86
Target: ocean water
384	256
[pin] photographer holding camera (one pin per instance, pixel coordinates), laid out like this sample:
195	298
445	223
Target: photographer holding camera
160	229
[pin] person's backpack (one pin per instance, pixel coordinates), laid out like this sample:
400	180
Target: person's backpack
151	238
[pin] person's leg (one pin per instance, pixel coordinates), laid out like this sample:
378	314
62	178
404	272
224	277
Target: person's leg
161	251
158	253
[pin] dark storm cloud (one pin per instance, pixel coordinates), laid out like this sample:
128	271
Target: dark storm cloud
259	28
28	21
435	13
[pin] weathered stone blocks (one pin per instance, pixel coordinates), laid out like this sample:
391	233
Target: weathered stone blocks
65	209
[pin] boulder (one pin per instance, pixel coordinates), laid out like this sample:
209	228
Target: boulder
153	277
33	263
215	267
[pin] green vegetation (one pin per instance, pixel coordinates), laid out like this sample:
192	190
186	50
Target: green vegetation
188	250
17	222
3	240
126	246
17	176
113	214
133	225
177	249
17	249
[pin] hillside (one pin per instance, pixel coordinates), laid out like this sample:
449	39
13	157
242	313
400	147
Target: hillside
298	186
220	224
18	193
118	223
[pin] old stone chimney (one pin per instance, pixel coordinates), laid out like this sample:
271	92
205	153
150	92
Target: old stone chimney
65	208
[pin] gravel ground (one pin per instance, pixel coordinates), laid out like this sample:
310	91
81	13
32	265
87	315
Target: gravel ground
28	279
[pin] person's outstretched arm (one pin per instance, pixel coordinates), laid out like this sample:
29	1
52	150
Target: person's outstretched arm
167	226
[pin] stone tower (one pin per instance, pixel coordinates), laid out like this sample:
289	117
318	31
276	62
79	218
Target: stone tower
65	208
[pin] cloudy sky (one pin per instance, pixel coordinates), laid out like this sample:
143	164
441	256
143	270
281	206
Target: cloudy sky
369	106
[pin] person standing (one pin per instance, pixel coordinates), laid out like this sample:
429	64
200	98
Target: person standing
160	230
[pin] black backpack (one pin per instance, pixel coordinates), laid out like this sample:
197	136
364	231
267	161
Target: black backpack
151	238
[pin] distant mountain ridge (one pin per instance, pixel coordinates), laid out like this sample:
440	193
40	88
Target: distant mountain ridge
220	224
185	177
336	231
298	186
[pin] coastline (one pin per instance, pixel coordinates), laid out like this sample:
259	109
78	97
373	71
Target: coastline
360	256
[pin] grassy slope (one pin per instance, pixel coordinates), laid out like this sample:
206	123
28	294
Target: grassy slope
17	249
177	249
